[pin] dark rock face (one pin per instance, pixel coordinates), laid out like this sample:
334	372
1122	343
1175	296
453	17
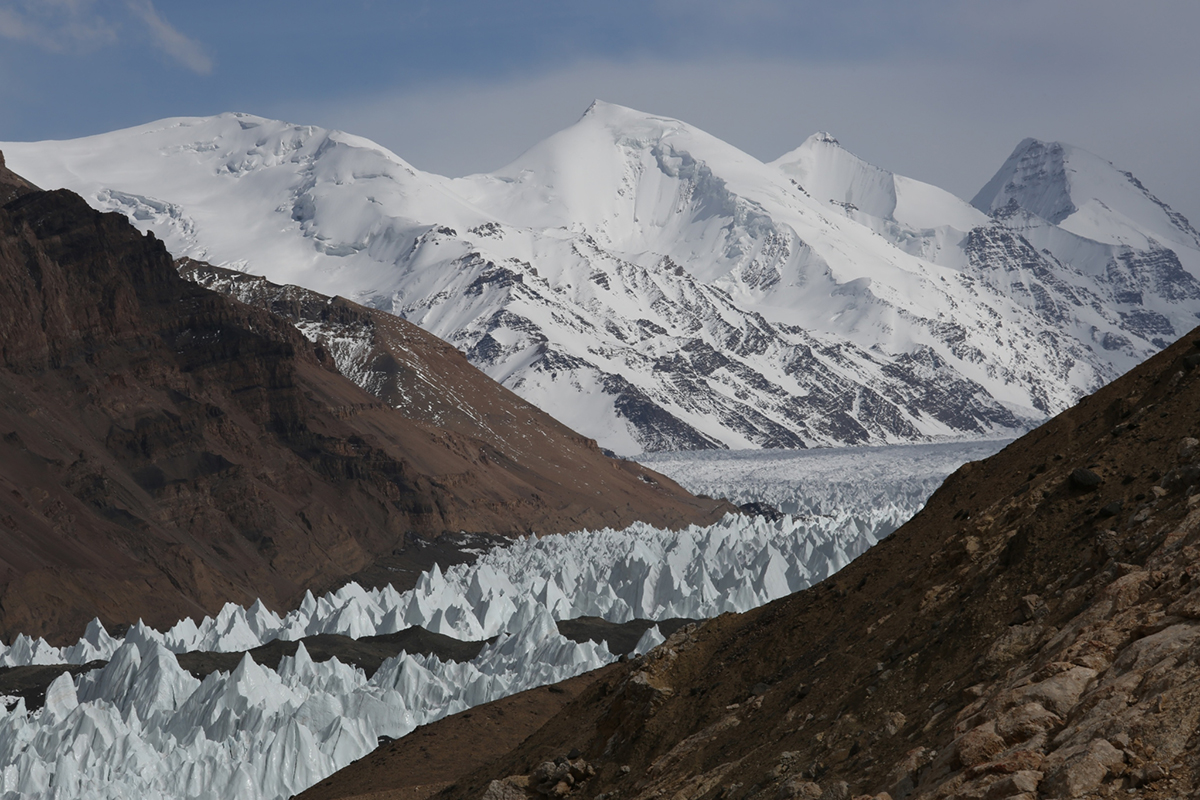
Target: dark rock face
1085	480
12	185
764	510
164	449
1039	173
1007	260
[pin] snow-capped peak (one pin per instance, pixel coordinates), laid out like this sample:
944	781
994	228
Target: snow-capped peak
832	174
657	288
615	173
1084	194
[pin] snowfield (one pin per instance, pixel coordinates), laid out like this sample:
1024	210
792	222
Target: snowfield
141	726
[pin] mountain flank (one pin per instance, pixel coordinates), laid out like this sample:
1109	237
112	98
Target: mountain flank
411	370
433	756
165	449
1033	632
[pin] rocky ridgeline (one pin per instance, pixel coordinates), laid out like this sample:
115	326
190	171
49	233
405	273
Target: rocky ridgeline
1108	696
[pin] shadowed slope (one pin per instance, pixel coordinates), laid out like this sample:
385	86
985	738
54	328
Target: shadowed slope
164	449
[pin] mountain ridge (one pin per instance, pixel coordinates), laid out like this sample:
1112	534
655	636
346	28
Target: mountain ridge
656	288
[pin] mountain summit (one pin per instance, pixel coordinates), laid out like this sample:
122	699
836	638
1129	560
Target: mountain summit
656	288
1084	194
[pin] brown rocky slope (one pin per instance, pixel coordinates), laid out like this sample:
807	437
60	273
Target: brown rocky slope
409	369
1033	632
164	449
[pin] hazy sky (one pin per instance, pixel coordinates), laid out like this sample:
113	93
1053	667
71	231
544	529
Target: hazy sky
934	89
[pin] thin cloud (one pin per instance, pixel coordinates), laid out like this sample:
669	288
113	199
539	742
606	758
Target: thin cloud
55	25
13	25
167	38
62	26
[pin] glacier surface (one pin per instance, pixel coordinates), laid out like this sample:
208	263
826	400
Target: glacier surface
142	726
871	489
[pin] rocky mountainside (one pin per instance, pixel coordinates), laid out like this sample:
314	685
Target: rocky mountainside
655	288
1033	632
165	449
409	369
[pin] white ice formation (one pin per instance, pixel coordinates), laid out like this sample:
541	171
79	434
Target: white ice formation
142	727
639	572
651	639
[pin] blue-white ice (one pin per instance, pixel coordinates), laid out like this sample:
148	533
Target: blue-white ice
142	727
872	489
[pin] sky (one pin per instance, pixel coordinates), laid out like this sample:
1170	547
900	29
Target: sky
939	90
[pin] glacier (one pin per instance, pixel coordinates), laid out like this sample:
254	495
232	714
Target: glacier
142	726
872	489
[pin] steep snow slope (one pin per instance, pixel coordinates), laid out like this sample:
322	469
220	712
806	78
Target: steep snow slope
646	283
1086	195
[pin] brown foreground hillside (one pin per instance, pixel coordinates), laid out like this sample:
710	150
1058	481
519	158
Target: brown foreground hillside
1034	632
164	449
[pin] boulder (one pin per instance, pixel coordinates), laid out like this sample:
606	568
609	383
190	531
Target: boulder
797	788
1022	723
1083	770
978	745
1084	480
1018	783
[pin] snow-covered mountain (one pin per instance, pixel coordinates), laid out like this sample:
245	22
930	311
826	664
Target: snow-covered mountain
1085	195
655	288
